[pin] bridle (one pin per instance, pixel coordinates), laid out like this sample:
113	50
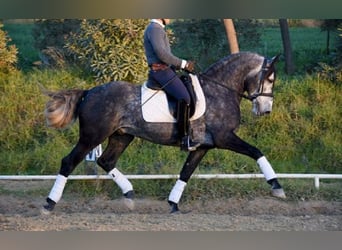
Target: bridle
264	69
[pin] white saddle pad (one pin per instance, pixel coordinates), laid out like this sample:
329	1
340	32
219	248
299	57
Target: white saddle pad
155	106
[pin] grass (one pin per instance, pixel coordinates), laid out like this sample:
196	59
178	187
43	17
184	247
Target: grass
308	45
302	135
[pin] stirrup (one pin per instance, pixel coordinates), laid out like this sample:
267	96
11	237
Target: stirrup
188	145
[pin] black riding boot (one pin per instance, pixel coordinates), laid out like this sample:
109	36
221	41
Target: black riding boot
184	130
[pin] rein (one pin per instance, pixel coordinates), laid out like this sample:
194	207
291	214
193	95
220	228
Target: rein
263	70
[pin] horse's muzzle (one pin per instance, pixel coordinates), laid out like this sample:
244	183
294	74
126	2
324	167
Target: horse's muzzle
262	105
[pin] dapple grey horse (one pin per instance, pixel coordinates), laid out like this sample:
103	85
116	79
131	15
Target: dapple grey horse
113	111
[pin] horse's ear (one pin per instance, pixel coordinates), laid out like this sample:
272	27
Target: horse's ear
275	59
272	61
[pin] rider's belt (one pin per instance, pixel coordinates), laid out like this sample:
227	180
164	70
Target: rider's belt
158	66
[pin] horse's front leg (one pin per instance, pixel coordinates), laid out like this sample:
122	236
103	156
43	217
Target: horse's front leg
189	167
234	143
116	146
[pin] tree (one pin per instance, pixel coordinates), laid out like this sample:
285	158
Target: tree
8	53
285	35
201	40
205	40
112	49
330	25
231	35
50	36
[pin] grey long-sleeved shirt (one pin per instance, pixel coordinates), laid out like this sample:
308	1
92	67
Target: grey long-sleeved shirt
157	46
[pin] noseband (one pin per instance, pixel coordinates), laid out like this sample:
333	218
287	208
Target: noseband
264	70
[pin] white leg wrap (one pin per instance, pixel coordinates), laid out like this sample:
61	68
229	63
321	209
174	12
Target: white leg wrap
121	180
266	168
57	189
177	191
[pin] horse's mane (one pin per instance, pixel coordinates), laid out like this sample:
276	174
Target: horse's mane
240	58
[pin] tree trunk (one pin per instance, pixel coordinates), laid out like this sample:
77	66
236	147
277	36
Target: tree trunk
285	34
328	42
231	35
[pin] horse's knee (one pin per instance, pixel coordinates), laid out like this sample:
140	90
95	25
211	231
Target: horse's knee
66	167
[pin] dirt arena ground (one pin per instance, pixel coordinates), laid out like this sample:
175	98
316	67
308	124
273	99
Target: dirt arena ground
21	212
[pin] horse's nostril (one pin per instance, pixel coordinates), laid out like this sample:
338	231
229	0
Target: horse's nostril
267	112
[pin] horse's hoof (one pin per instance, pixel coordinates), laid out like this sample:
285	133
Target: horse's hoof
44	211
128	200
129	194
129	203
279	193
174	207
47	209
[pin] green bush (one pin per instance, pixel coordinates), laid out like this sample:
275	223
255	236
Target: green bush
111	49
53	32
50	37
27	145
8	53
302	134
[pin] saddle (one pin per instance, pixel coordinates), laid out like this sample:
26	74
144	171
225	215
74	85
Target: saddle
157	106
172	102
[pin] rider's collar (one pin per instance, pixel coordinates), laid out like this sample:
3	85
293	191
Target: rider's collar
157	21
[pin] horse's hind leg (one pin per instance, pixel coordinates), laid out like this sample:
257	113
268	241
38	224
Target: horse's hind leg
117	143
68	165
189	167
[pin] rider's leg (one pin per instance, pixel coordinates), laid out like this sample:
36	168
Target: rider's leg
183	123
174	87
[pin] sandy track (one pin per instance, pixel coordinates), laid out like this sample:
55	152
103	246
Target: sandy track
20	212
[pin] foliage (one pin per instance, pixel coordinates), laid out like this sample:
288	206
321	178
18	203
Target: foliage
331	69
248	32
330	24
201	40
306	122
330	73
21	37
53	32
8	53
26	142
338	57
50	36
204	40
111	49
302	135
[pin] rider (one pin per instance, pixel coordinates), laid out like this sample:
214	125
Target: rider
161	62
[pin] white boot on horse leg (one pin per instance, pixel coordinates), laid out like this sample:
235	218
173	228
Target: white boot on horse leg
126	187
271	177
55	194
175	195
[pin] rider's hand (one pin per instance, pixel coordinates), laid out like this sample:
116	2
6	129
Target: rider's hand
190	66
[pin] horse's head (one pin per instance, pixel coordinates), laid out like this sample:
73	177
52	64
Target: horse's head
259	85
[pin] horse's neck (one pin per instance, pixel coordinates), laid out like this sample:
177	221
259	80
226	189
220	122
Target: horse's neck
232	79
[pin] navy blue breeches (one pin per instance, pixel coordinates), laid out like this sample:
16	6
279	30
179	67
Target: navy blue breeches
171	84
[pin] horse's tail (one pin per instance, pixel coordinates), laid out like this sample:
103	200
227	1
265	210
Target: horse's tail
62	109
